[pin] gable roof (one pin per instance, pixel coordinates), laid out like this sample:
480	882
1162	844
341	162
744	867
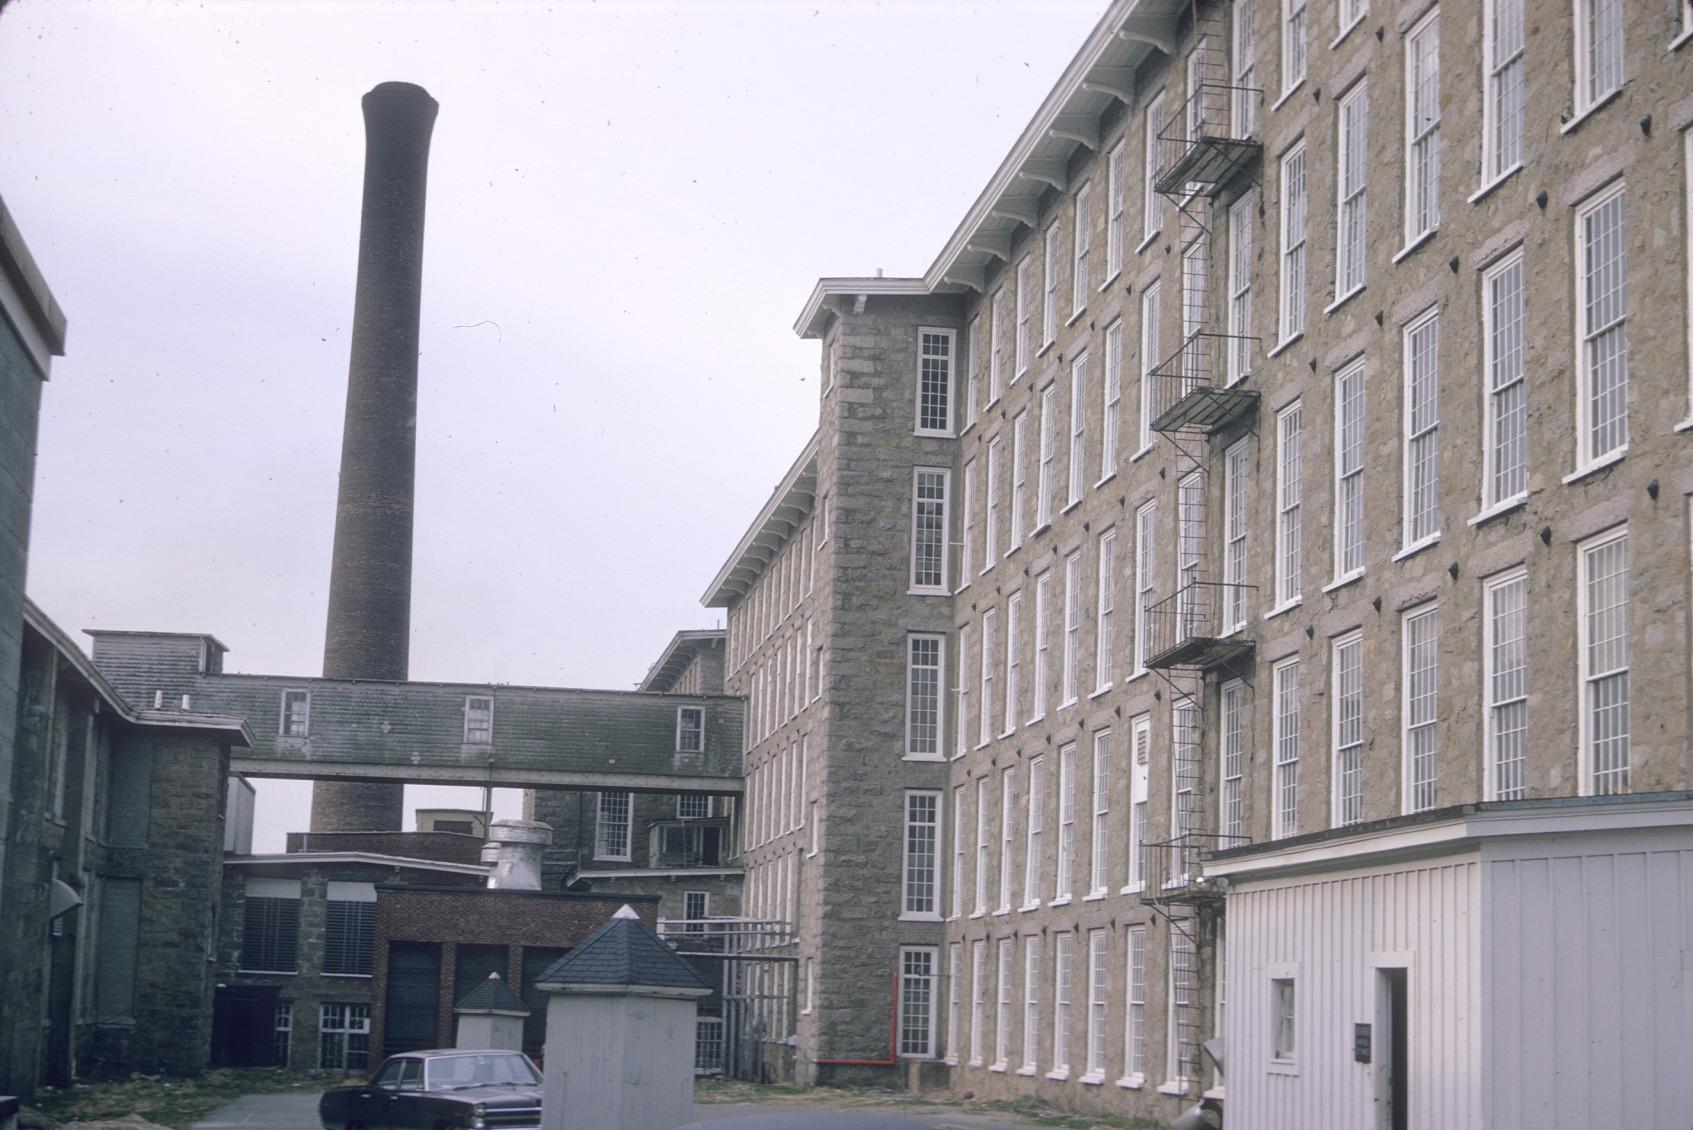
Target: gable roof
623	952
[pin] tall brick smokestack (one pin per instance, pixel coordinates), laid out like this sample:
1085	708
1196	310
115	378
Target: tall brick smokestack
368	634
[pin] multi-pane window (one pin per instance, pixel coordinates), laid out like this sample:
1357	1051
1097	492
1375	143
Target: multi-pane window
1505	683
921	892
1140	739
690	729
1190	548
990	639
967	520
1025	315
1349	471
296	714
954	975
990	529
1422	430
1196	309
1101	834
1243	110
1503	75
961	717
1081	277
1007	806
978	997
1350	243
478	720
981	905
1601	309
1105	643
1184	780
924	677
1351	11
1288	556
1240	340
1598	51
1013	658
349	928
1182	1053
1282	1016
1048	452
1150	307
1231	756
1049	300
1072	626
1237	487
343	1036
1284	801
972	392
1505	424
1033	828
1603	648
917	1001
692	806
1134	1019
996	346
1043	619
935	350
1098	986
282	1032
1293	243
1294	32
1066	820
1031	1001
611	828
1146	591
270	929
1422	128
1019	479
1078	416
1421	675
929	529
957	861
1152	124
1348	675
1113	399
1002	1007
1061	1004
1116	195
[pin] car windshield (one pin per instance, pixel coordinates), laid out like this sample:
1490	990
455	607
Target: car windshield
455	1072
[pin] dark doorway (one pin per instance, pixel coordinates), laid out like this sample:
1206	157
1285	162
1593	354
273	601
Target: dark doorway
244	1026
1394	1091
411	1015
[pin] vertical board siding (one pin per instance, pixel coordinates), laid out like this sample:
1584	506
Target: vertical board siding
1588	1006
1335	930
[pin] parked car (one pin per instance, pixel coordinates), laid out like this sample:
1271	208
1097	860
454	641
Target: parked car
445	1089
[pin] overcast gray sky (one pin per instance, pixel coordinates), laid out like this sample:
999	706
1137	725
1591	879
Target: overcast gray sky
628	205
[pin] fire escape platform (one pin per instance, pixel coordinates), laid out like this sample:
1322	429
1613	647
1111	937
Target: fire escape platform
1201	652
1205	408
1209	161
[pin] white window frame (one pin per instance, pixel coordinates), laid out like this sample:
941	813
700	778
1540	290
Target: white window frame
285	724
1034	828
1151	216
1179	1056
1295	45
1352	164
1231	762
1603	667
954	975
1031	1003
990	626
684	731
972	382
1420	453
1503	77
1083	244
1013	659
1140	811
1240	250
1019	481
1294	214
961	713
1419	633
1592	450
1283	1020
1049	296
1061	977
1151	306
1078	425
1504	384
1422	128
1007	834
1002	1006
925	481
1100	873
1350	416
978	996
1025	316
1346	674
1062	858
1286	708
1048	425
1070	681
1134	1011
957	853
1504	650
1043	622
1116	207
1113	394
996	354
920	747
1592	85
981	849
1146	586
917	975
1099	987
606	844
990	523
1237	494
473	705
1104	651
1289	562
921	842
929	337
1243	65
966	524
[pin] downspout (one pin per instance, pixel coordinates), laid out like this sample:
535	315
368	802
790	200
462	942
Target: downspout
893	1040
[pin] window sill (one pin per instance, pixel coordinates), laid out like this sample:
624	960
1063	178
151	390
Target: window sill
1026	1070
974	1063
1075	317
1041	717
1286	94
933	433
1515	502
1285	606
1095	896
1109	475
1092	1079
1173	1087
1061	900
1106	689
1040	528
1341	582
1282	1067
1028	906
1416	547
999	1067
1136	457
927	590
1132	1082
1283	346
1412	246
1062	1075
811	855
1598	464
350	976
1685	425
1002	912
1141	674
269	972
1482	192
962	585
1109	279
1343	300
974	914
932	758
1218	1092
1685	37
1344	32
1133	889
1006	733
1574	123
1146	241
930	916
1069	506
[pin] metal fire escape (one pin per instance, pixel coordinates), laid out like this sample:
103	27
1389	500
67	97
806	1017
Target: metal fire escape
1195	631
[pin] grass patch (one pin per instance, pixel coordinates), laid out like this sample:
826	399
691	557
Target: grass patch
166	1100
1032	1110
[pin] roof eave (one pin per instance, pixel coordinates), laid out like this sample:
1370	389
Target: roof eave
726	585
812	320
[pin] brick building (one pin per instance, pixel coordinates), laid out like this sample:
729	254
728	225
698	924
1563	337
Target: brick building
1206	605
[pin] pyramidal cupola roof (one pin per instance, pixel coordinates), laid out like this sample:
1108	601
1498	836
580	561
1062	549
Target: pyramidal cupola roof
491	996
623	953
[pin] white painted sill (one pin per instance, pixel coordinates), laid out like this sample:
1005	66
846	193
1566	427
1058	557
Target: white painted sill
1109	475
1685	425
1069	506
1106	689
1111	278
1484	190
1028	906
1344	32
1343	300
1684	37
1026	1069
1283	346
1095	896
1285	606
1416	547
930	916
1415	244
999	1067
1061	900
1173	1087
1061	1075
1515	502
1145	242
1075	317
1341	582
1574	123
1135	458
1597	465
1132	1082
1092	1078
1286	94
1133	889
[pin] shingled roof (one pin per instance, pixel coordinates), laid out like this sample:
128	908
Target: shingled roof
491	996
623	952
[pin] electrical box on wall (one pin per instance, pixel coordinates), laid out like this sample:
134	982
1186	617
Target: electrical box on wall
1360	1043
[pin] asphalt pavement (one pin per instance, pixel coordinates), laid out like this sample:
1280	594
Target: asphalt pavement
299	1112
